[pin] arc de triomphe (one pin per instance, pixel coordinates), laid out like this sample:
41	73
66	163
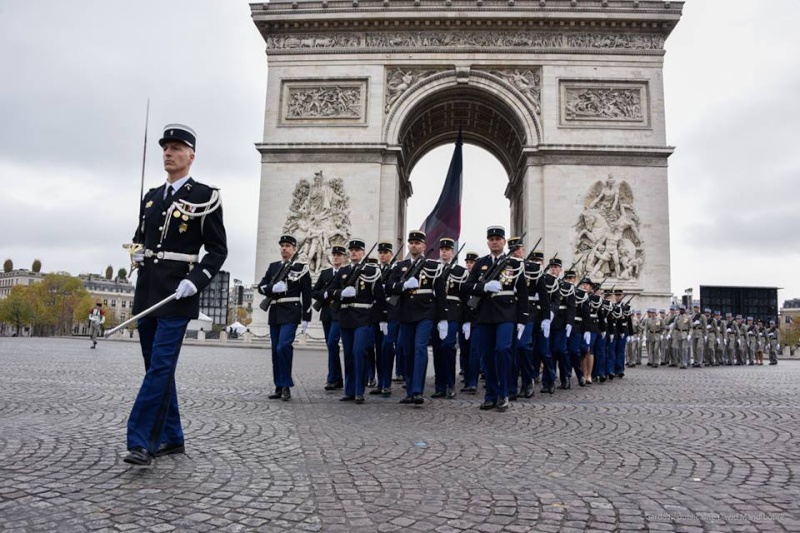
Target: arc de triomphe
567	94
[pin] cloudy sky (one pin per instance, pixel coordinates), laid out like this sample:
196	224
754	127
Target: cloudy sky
76	77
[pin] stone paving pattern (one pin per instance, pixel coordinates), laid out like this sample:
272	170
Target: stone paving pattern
712	449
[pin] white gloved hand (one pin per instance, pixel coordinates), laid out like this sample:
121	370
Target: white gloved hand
705	338
303	326
384	327
612	337
587	337
669	336
279	287
569	330
689	337
411	284
185	289
348	292
520	330
546	328
325	295
138	257
442	328
602	334
778	348
466	328
719	342
493	286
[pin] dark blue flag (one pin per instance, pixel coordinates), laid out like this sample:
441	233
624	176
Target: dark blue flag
445	219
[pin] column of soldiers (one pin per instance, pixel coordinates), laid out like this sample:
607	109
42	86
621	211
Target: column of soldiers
516	321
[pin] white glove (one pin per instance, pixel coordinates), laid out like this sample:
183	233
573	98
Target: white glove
325	295
587	337
689	337
384	327
569	330
138	257
669	336
612	337
466	328
303	326
705	338
696	322
520	330
411	284
778	348
279	287
493	286
185	289
442	327
546	328
348	292
729	330
602	334
719	342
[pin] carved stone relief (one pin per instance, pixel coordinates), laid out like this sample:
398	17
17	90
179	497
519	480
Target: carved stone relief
319	217
604	104
399	80
469	39
313	101
608	242
527	81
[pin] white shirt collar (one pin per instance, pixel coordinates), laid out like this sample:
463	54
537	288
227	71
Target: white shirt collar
176	185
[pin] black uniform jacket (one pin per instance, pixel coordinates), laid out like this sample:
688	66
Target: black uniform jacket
538	296
565	313
389	313
508	305
456	294
158	278
293	305
323	285
582	318
427	302
359	310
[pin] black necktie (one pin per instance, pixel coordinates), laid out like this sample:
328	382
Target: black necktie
170	194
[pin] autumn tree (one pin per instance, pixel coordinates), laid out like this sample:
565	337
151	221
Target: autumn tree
54	301
16	308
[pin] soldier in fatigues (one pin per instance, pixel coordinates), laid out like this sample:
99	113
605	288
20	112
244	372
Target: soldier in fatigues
680	332
670	357
654	328
499	282
728	339
774	340
175	221
291	306
330	319
697	336
750	341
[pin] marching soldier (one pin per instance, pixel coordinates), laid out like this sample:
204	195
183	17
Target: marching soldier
750	341
330	319
358	288
761	342
568	351
653	327
175	221
524	348
632	354
709	339
728	339
599	373
388	325
591	330
96	319
444	350
498	281
472	358
670	357
681	330
545	339
418	283
697	337
291	305
774	340
741	341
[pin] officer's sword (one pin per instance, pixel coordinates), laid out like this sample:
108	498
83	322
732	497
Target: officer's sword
142	314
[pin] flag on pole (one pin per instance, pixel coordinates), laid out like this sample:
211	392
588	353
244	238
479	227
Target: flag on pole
445	219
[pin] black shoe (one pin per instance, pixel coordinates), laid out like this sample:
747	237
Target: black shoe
386	392
512	397
683	366
611	377
450	393
602	379
398	379
277	394
376	391
438	394
773	362
470	390
330	386
347	398
537	380
621	375
485	406
338	385
170	449
503	405
372	384
549	390
359	399
287	394
528	392
92	346
418	399
582	382
407	399
568	384
139	457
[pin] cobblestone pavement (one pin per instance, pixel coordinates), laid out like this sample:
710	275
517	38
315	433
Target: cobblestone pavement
713	449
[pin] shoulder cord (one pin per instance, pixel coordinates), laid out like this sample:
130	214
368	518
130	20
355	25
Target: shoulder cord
433	273
296	275
459	279
192	210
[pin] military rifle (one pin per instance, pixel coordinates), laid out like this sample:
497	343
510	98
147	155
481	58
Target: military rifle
388	270
449	266
280	276
412	272
317	305
352	278
530	254
489	275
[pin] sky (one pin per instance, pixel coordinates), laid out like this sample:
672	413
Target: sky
76	78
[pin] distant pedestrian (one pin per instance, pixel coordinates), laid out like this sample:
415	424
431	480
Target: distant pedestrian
96	320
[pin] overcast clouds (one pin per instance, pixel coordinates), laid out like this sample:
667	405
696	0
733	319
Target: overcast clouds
76	77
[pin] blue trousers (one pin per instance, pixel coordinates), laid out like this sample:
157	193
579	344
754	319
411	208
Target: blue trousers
524	354
474	361
463	351
332	336
386	361
619	363
599	351
282	340
558	344
444	358
415	337
496	340
575	347
611	355
546	358
377	343
355	342
155	417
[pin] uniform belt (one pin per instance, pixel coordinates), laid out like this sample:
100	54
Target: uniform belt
422	291
453	297
592	316
172	256
502	293
357	306
578	319
562	306
287	300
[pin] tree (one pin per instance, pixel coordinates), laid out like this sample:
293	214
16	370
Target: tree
16	308
36	266
8	265
122	274
54	301
109	272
